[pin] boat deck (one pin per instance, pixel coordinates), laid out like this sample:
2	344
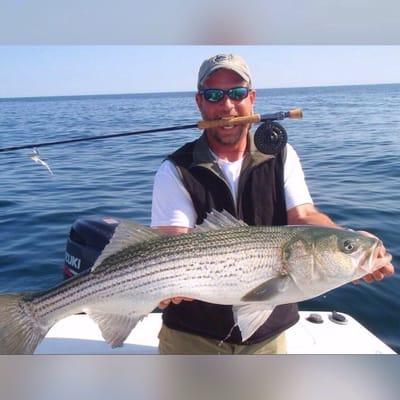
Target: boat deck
78	334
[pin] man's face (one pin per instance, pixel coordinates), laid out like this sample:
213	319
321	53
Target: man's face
226	107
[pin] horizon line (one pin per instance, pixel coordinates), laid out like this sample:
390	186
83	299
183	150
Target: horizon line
191	91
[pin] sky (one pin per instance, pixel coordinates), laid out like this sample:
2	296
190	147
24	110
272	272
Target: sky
56	70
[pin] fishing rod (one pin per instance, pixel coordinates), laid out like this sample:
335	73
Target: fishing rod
203	124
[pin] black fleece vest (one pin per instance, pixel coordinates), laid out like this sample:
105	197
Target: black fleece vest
260	201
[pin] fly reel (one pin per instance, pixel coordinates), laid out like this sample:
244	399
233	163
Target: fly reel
270	137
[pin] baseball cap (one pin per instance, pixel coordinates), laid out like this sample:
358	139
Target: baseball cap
232	62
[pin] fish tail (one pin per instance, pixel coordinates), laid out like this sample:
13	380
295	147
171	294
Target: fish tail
20	333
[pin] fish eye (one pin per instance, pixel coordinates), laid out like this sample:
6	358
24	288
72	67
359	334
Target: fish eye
348	246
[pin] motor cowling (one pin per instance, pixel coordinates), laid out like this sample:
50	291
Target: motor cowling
87	238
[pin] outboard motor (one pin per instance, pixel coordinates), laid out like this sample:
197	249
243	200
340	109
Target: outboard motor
87	238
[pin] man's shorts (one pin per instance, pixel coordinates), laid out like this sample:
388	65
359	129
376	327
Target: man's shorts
177	342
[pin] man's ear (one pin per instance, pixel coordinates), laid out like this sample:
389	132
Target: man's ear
199	100
252	95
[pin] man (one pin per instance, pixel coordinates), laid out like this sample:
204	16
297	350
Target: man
224	170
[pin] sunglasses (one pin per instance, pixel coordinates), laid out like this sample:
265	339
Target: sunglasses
214	95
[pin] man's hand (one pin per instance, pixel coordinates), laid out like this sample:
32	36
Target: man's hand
176	300
383	271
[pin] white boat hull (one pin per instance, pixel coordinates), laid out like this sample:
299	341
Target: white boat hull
78	334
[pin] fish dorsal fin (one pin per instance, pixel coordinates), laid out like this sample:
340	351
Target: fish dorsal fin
126	234
249	317
217	220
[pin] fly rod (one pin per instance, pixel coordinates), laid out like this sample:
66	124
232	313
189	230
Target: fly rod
204	124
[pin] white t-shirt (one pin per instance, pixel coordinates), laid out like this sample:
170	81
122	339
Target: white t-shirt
172	204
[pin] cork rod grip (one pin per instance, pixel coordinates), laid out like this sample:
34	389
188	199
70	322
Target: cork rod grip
295	113
248	119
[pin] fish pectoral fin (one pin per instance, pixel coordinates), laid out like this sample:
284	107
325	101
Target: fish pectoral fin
249	317
126	234
115	328
270	289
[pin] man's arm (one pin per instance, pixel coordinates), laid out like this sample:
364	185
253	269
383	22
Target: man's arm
307	214
171	204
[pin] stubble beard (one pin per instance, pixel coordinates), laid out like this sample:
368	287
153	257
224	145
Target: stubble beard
231	137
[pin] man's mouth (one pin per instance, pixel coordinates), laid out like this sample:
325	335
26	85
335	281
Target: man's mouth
228	118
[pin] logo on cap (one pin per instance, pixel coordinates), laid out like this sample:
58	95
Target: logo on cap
222	57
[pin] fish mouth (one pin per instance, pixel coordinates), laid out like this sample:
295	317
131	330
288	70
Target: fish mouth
375	259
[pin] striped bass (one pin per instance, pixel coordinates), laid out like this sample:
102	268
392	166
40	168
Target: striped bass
222	261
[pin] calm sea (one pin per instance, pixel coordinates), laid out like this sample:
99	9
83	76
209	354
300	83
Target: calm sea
348	141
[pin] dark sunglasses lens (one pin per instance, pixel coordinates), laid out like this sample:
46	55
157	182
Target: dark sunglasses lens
238	93
213	95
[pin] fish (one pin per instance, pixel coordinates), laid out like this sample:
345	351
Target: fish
35	156
221	261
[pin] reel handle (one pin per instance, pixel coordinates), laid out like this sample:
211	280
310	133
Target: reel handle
296	113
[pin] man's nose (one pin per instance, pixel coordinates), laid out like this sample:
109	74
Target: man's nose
226	103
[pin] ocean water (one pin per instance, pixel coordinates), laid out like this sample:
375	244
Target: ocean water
348	141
